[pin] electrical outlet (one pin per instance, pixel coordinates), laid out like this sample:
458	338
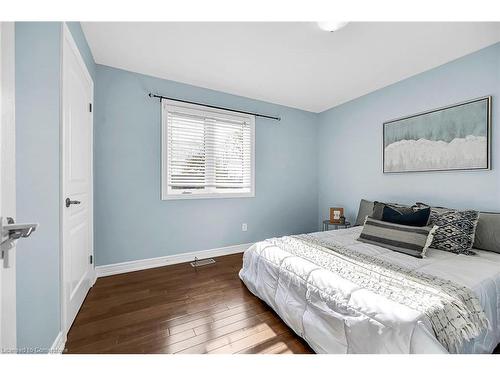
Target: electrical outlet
244	227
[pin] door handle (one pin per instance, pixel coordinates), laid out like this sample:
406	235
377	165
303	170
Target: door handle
10	232
69	202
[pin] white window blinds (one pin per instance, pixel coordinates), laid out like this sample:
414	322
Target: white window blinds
206	153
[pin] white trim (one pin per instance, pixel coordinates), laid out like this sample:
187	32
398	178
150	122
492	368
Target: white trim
67	35
171	197
143	264
8	339
93	276
58	344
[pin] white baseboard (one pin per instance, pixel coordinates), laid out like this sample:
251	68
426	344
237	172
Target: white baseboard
142	264
58	344
93	277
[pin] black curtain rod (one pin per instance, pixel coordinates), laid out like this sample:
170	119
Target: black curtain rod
151	95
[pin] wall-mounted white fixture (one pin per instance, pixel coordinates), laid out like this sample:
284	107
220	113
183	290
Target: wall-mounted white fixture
331	25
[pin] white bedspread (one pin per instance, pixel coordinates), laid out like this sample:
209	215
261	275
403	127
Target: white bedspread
298	291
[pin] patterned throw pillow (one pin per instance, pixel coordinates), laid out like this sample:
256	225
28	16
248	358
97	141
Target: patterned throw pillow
456	230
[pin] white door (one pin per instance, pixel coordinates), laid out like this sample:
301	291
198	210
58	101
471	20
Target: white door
77	233
7	187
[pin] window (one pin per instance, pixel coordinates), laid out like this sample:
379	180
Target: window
206	153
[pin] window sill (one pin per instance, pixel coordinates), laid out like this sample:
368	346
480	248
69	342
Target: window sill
166	197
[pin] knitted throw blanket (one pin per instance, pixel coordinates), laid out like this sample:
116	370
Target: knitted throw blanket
453	310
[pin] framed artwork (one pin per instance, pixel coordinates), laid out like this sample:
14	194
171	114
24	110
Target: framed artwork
456	137
335	214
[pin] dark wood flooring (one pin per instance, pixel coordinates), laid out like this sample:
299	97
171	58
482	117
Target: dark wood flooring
179	309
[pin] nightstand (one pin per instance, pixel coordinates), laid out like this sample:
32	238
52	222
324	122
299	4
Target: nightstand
327	224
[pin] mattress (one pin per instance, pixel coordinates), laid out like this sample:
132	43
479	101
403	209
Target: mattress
298	291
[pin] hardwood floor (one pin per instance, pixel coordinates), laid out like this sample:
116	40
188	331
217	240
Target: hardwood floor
179	309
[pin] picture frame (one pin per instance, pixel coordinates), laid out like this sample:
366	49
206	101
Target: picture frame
335	214
434	140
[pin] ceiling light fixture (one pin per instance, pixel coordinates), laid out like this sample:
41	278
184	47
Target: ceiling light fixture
331	25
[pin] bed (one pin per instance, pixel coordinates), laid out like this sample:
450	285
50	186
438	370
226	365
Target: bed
299	291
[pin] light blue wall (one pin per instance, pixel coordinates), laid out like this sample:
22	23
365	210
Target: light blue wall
37	166
131	222
350	141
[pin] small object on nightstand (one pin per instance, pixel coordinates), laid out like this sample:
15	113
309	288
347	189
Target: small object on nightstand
327	224
335	214
342	220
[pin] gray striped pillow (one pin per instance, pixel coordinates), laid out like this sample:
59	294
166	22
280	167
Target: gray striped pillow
404	239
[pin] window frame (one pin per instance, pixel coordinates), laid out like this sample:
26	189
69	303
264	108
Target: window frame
166	193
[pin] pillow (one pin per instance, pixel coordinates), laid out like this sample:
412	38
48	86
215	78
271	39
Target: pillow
404	239
457	229
378	209
488	232
365	209
374	209
418	218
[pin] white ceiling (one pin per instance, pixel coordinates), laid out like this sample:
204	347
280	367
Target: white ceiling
290	63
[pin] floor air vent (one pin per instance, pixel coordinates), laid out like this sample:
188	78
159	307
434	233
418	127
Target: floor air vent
203	262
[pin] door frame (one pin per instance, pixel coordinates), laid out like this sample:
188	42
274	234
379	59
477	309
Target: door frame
8	334
66	36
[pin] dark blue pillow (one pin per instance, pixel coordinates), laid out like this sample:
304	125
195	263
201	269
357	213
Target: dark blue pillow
418	218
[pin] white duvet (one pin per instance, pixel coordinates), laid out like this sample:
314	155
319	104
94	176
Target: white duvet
298	291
